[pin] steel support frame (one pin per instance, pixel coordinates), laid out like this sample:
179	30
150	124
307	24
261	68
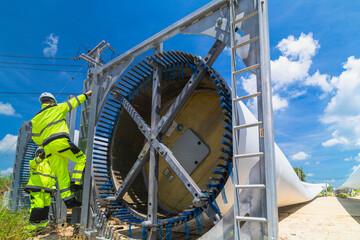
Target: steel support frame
205	21
23	136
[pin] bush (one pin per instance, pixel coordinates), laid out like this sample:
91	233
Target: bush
12	224
342	195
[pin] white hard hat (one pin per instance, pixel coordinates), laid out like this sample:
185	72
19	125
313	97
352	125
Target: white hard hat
39	150
47	97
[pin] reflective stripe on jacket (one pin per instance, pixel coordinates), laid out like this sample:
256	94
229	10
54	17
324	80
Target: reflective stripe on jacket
41	177
50	123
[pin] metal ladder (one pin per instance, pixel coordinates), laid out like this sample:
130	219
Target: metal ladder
269	220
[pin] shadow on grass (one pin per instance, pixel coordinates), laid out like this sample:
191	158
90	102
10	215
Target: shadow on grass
352	206
286	211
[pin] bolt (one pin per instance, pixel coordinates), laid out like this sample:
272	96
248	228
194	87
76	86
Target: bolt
162	152
219	21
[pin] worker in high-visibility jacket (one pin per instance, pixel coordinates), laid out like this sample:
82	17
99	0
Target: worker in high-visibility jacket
50	130
41	188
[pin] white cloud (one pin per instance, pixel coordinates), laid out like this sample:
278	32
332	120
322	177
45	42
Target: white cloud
7	171
332	181
321	80
300	156
353	168
307	163
52	42
356	158
302	48
336	140
317	163
279	103
310	174
295	62
8	141
290	71
342	113
7	109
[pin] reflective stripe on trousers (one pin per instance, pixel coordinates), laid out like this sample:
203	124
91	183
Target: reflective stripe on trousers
61	150
39	209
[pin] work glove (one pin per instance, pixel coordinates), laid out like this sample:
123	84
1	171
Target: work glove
38	160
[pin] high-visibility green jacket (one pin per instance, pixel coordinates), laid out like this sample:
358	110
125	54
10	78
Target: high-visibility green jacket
41	177
50	123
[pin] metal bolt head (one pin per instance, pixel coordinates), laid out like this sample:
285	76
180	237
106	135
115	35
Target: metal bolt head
219	21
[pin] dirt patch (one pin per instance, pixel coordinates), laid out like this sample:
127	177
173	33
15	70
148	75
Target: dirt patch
327	218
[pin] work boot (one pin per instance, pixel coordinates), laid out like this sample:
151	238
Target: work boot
72	203
75	187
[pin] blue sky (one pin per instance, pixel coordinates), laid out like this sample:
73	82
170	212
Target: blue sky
315	66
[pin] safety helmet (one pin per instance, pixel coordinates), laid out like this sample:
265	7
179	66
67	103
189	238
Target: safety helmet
47	97
39	151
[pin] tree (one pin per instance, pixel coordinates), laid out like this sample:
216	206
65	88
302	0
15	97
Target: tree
300	173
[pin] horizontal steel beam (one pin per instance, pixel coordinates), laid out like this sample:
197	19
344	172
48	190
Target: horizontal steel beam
165	34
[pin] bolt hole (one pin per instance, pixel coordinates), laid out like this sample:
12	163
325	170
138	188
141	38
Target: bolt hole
149	203
149	215
196	162
199	143
196	194
188	185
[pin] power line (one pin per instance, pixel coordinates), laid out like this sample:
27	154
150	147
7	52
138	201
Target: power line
44	64
7	150
38	57
72	78
38	69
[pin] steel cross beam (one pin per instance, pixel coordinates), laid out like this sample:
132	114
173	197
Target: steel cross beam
166	153
166	120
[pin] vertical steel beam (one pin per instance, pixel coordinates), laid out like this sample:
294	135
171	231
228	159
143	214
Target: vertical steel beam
154	156
234	119
271	193
85	209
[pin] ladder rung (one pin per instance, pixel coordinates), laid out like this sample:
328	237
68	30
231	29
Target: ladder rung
247	69
261	186
247	97
247	125
245	43
254	219
246	17
249	155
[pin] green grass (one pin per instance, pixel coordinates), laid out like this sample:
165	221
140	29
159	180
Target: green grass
342	195
12	224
